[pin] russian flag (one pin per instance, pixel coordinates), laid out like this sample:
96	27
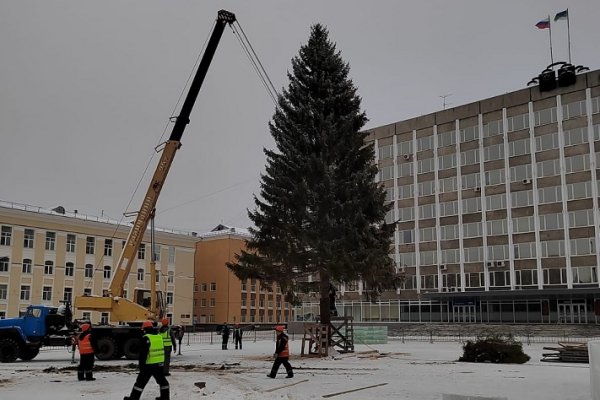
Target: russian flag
543	24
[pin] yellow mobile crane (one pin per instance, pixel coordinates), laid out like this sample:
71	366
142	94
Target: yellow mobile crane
114	341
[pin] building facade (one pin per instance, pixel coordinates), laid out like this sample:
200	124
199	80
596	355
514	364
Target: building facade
49	256
219	296
496	210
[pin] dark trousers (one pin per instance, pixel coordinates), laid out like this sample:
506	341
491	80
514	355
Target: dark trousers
167	363
85	367
179	347
288	367
147	372
238	342
225	340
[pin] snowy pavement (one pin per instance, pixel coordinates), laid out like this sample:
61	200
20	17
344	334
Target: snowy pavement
411	370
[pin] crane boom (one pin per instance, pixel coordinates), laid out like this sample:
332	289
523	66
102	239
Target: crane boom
120	311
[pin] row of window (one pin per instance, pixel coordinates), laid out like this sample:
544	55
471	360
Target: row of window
492	128
27	264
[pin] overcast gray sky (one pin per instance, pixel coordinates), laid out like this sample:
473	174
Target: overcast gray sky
87	87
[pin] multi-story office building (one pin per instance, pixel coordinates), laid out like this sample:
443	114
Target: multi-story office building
47	256
496	209
219	296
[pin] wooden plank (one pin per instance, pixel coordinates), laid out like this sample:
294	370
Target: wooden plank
354	390
284	386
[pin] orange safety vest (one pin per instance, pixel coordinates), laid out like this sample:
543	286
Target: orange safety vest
85	345
286	350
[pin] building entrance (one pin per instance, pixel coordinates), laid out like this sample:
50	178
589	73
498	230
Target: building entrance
464	313
572	313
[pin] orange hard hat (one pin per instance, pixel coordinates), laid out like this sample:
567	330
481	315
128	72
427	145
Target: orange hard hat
85	327
279	328
147	324
164	321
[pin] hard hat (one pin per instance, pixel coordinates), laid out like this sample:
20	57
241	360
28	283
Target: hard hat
85	327
147	324
279	328
164	321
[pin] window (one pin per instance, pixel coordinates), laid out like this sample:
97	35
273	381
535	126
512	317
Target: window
524	250
426	165
493	152
595	105
405	192
545	116
408	259
471	205
576	136
472	229
386	151
499	278
469	157
156	252
405	169
203	302
553	248
426	188
28	238
213	286
446	162
427	211
170	277
450	256
406	214
204	287
107	271
574	109
548	168
576	163
405	147
522	199
26	266
108	247
47	293
496	227
213	302
142	252
517	122
88	292
50	240
427	234
169	298
71	243
468	134
424	143
579	190
5	235
386	173
90	242
389	193
68	294
495	202
581	218
583	246
523	224
471	181
449	232
526	277
449	184
584	275
446	139
3	291
552	194
551	221
520	173
69	269
498	252
546	142
48	268
25	292
4	263
89	271
428	257
449	208
494	177
407	236
104	318
171	255
474	254
493	128
519	147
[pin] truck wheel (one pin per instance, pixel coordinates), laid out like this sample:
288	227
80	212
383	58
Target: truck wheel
132	349
28	353
106	348
9	350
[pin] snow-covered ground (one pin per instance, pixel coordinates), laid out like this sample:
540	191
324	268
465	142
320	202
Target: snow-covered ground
411	370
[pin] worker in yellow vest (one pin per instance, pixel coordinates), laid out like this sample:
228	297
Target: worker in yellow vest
170	344
152	357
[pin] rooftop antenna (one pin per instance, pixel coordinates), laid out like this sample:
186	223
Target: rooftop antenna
444	104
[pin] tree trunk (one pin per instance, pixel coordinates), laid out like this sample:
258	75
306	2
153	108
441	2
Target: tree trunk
324	301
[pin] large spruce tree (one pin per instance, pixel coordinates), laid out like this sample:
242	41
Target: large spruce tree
320	212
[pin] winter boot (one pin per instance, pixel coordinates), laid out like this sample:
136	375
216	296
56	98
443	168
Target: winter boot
164	393
89	376
80	376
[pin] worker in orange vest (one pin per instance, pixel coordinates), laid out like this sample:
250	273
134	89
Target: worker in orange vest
86	354
282	353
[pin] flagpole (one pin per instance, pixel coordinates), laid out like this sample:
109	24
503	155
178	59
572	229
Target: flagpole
550	31
569	35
